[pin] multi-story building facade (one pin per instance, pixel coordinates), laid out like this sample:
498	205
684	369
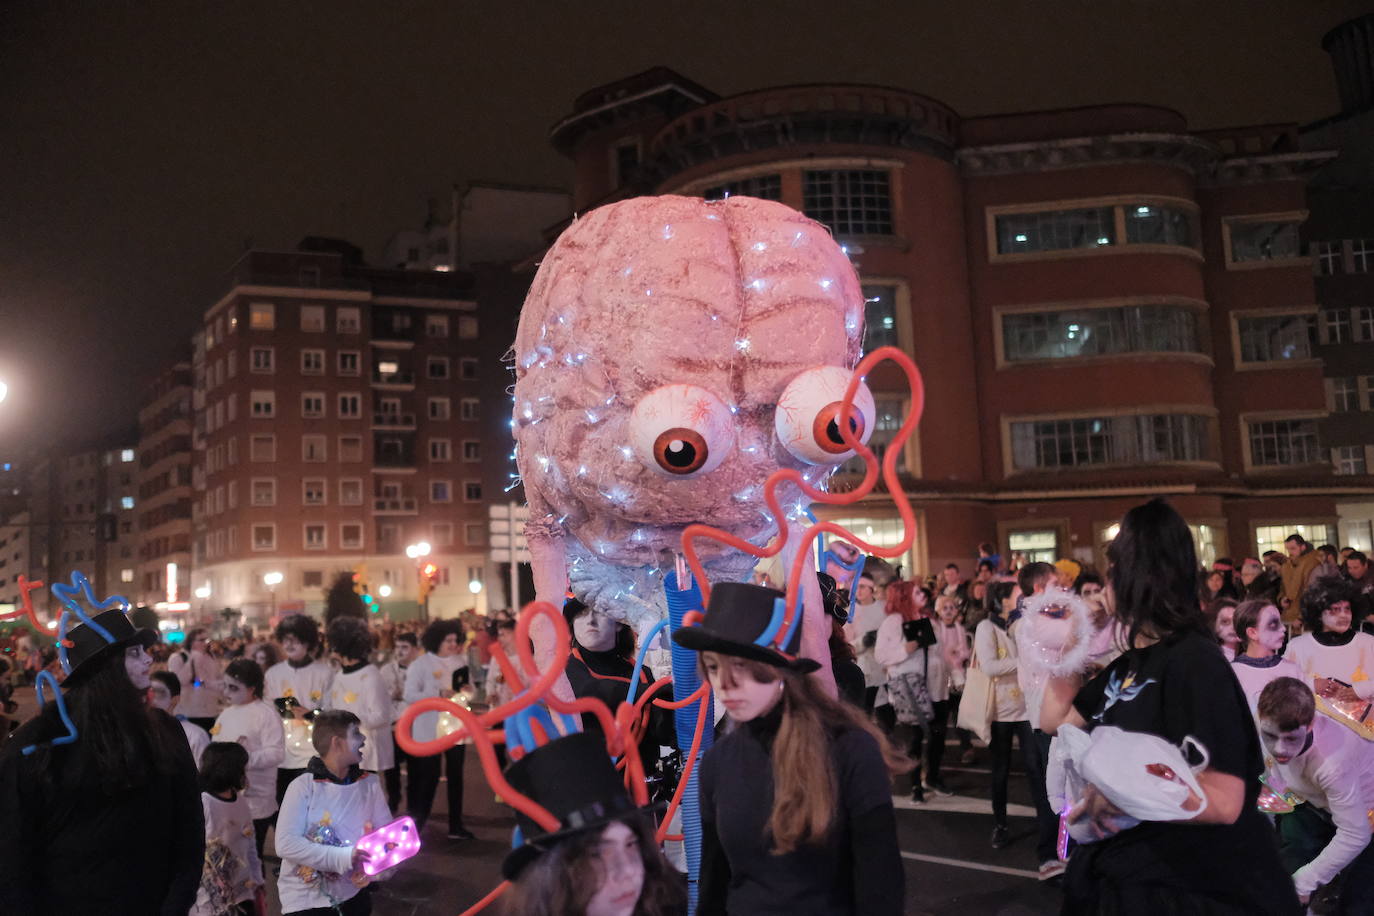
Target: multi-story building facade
337	422
488	223
163	576
1105	305
1340	239
15	533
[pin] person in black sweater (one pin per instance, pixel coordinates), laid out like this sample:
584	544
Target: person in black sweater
796	801
112	822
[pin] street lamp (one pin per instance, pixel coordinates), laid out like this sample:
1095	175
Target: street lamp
272	580
475	586
416	551
384	591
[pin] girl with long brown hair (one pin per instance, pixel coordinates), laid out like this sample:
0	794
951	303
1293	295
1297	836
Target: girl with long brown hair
796	801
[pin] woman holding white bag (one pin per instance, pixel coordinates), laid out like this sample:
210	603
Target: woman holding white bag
1173	683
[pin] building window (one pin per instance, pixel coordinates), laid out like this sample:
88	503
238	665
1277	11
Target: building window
439	408
1335	326
891	412
126	502
350	406
436	325
1276	338
1362	255
262	316
312	318
880	316
850	202
440	491
475	534
1280	443
312	405
263	404
624	160
1055	443
264	491
436	367
350	448
764	187
467	327
472	491
313	491
472	450
439	450
351	492
265	537
348	320
314	448
1271	537
232	363
1362	318
1263	240
1343	394
262	448
315	538
351	536
469	409
262	360
349	362
1055	230
441	534
1349	459
1072	333
126	575
1153	224
1326	258
467	369
312	578
126	455
312	362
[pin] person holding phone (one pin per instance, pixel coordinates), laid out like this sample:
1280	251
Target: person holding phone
917	682
297	686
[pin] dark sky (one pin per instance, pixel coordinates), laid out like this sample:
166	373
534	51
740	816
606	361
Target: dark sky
143	143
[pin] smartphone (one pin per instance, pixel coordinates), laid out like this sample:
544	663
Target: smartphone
287	706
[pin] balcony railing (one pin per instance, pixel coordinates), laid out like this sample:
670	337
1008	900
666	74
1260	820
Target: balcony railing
393	379
385	420
393	505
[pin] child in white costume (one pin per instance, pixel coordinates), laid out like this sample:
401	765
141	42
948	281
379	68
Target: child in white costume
323	815
233	870
251	722
360	688
301	678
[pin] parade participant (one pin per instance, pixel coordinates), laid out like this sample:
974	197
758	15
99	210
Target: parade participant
109	823
297	687
359	688
1336	658
797	813
164	693
917	683
1332	770
403	649
325	812
253	723
232	878
1173	682
200	676
603	861
994	652
869	611
1259	627
431	674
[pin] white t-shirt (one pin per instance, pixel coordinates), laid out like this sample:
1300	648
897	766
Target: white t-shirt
1254	678
363	693
233	870
309	868
867	619
309	685
259	725
196	736
1352	663
429	676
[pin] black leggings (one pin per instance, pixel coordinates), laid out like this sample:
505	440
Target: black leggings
1000	745
260	825
935	754
423	782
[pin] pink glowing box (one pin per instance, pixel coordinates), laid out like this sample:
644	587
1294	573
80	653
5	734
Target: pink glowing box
389	845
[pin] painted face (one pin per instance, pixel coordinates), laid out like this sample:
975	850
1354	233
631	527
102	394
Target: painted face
236	692
949	611
295	649
354	742
160	696
1283	746
403	651
1226	629
1336	618
743	697
594	631
138	664
260	657
449	646
1269	632
622	872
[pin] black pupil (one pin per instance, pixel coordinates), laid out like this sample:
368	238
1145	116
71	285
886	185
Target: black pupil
681	454
832	430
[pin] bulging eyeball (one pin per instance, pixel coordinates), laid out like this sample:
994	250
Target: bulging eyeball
681	431
808	416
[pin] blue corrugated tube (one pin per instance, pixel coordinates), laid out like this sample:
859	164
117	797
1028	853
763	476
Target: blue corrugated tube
685	683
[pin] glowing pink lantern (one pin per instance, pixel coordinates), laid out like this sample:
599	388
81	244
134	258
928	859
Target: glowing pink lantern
389	845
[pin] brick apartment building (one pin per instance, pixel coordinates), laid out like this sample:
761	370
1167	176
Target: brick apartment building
337	421
1105	304
163	580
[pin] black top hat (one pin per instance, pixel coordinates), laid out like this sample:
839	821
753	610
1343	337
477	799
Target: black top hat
738	614
89	648
573	778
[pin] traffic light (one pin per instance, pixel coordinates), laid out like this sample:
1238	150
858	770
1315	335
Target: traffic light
360	578
429	577
370	603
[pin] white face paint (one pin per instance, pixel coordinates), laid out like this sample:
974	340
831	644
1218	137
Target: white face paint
138	664
594	631
622	872
1269	633
1283	746
1336	618
295	649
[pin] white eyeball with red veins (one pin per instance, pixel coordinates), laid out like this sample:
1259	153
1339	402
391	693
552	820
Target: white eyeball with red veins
808	415
681	431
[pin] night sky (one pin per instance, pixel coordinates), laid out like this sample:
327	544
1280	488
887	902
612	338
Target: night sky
144	144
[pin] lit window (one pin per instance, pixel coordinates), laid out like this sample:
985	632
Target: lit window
1271	537
1055	230
126	502
1155	224
880	316
125	455
126	575
262	316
